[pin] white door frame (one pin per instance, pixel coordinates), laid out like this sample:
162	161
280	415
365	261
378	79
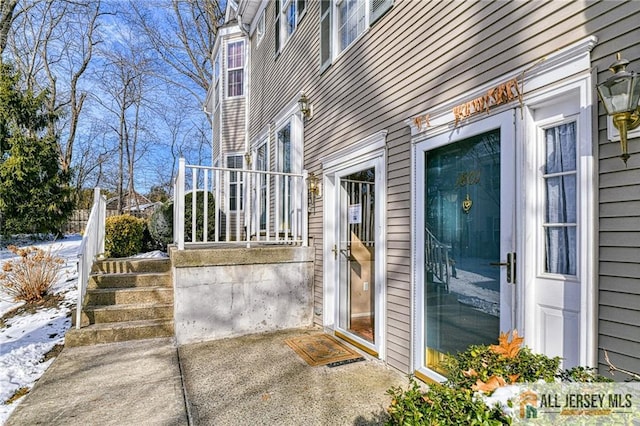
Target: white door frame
505	122
367	153
542	82
559	102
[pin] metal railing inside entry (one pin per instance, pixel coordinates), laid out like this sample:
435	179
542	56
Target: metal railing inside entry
214	205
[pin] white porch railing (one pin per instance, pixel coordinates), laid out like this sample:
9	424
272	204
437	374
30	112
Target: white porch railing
91	246
249	206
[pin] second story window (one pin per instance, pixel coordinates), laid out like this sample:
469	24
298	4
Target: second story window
343	21
351	21
288	14
235	69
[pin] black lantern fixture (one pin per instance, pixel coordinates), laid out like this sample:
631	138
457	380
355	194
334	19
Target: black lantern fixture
620	95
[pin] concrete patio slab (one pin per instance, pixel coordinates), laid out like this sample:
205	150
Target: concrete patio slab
259	380
250	380
127	383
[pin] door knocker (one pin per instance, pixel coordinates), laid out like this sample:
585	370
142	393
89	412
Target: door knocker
466	204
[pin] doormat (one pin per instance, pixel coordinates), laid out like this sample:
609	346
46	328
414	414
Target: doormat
322	349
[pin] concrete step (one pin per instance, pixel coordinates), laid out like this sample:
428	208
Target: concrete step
129	280
119	313
128	296
130	265
118	332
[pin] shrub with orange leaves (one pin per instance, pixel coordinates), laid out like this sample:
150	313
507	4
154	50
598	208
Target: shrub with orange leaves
472	375
30	276
508	348
484	368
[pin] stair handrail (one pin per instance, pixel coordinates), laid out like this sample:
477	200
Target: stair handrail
437	258
91	246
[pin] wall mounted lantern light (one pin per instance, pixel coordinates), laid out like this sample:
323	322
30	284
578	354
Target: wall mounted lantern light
247	159
619	95
314	188
305	106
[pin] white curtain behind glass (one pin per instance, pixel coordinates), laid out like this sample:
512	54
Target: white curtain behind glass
560	180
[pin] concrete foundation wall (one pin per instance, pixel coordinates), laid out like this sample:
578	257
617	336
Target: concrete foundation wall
226	292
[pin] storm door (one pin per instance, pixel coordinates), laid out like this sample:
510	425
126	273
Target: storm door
356	253
467	267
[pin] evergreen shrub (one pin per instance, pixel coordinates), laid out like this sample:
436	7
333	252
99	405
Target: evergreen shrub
161	221
473	374
161	225
123	236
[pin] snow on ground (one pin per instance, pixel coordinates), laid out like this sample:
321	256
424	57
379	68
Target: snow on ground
27	337
466	286
156	254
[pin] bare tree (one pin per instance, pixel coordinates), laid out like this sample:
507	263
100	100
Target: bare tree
183	38
8	14
52	45
124	82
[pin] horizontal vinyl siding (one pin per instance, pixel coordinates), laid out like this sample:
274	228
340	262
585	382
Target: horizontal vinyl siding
233	135
418	55
617	30
217	135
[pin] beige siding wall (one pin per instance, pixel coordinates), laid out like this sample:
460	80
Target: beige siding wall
233	125
216	134
618	30
419	55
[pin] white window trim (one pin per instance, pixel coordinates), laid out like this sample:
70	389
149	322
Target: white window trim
262	141
297	144
334	39
243	68
540	127
284	36
335	30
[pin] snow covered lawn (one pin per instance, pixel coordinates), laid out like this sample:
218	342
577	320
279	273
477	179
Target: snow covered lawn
27	333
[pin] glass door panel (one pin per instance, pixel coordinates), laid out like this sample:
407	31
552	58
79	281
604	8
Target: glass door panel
462	239
356	249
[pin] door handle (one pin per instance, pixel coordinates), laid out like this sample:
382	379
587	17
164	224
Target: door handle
511	267
335	251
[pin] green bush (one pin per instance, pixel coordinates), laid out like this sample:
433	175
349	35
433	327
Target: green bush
123	236
161	222
188	216
161	225
479	369
440	405
148	242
